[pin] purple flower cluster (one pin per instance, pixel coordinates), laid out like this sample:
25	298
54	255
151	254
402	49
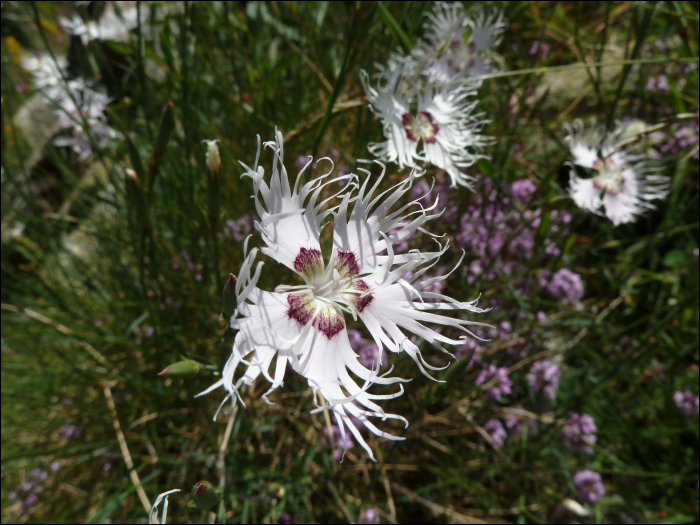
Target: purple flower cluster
580	429
501	385
515	425
368	352
499	240
190	265
659	84
589	485
27	491
523	190
544	376
566	286
238	229
687	402
543	48
683	137
495	429
470	350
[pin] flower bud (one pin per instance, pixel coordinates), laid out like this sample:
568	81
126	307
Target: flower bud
277	491
205	496
184	368
131	176
228	298
213	158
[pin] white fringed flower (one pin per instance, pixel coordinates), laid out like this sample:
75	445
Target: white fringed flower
441	121
459	45
80	109
622	185
47	73
305	324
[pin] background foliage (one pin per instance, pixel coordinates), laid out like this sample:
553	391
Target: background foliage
103	286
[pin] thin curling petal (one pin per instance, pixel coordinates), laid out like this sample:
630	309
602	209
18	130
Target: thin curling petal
153	517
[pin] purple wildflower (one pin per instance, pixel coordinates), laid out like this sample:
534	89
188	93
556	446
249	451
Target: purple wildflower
368	352
580	429
469	350
70	432
39	474
238	229
148	331
369	516
589	485
31	500
523	189
687	402
541	317
515	425
566	286
544	377
501	385
286	517
496	431
659	84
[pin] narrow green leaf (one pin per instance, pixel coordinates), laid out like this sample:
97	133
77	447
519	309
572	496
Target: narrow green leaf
135	159
140	319
392	24
167	123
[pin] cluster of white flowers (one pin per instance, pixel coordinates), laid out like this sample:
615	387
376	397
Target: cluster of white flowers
111	25
426	100
304	325
623	183
79	108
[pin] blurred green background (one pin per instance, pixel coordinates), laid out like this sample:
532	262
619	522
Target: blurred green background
107	280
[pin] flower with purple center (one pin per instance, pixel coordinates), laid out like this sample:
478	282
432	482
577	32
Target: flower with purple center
622	183
496	381
687	402
362	277
581	429
589	485
566	286
441	121
495	429
544	377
